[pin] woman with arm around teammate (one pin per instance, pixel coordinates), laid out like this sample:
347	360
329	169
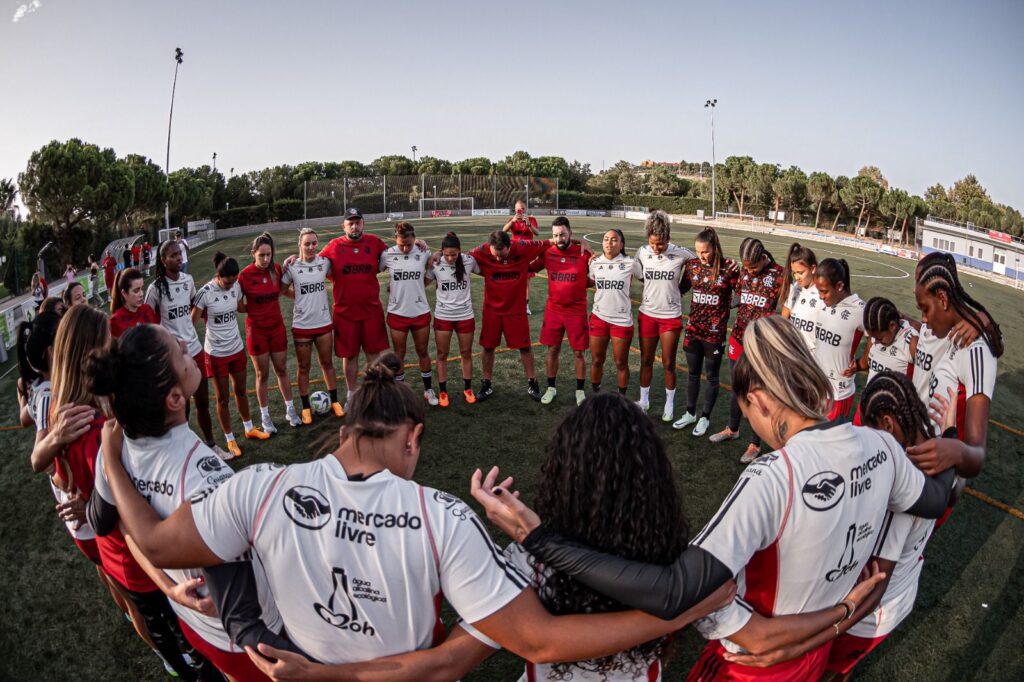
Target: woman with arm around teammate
171	296
892	344
305	280
801	302
221	300
611	316
659	264
453	313
838	329
266	339
704	344
760	288
791	528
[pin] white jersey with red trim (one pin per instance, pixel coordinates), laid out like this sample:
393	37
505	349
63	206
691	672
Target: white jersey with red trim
902	540
660	273
168	471
837	333
454	299
802	521
896	357
611	288
930	349
407	295
175	309
312	308
968	371
361	562
804	305
221	305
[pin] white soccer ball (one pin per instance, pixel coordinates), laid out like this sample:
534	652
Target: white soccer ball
320	402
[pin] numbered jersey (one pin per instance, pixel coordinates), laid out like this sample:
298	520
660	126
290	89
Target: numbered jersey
804	305
968	372
221	306
168	471
759	295
930	349
802	522
711	300
837	333
896	357
175	308
312	308
407	272
611	289
661	275
454	299
362	561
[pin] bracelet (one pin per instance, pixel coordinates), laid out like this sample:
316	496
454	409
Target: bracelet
836	626
849	610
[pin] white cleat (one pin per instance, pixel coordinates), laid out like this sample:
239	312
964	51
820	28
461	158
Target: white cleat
684	421
430	397
294	419
580	397
268	427
222	453
644	404
702	427
549	396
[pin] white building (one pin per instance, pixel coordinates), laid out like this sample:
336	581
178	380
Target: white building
972	246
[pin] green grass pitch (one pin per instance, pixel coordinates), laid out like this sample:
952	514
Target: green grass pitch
56	622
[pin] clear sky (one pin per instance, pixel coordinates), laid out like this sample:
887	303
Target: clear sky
928	91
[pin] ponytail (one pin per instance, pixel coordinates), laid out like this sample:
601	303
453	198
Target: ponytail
451	241
937	271
382	404
225	265
835	270
710	237
34	338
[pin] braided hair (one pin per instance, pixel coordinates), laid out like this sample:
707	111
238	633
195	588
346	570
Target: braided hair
162	286
710	237
880	314
451	241
937	272
894	394
752	251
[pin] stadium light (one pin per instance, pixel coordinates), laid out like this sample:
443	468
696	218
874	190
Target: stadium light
710	104
178	54
215	162
414	153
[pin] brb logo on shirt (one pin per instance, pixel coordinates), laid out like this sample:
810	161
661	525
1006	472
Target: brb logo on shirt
455	285
313	288
181	311
705	299
616	284
400	276
357	269
747	298
224	318
823	490
802	325
307	507
651	275
828	337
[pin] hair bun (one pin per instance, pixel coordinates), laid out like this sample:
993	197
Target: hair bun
385	368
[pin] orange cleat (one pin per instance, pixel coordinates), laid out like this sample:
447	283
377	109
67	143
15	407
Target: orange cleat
443	399
470	396
234	449
339	411
257	434
307	416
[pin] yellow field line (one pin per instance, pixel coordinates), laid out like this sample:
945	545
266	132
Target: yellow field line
1016	513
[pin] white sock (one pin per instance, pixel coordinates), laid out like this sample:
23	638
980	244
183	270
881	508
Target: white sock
289	407
645	394
670	400
247	425
230	437
265	413
348	396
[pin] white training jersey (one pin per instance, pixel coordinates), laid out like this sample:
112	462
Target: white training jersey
802	522
896	357
221	305
361	563
611	288
454	299
312	309
902	540
930	349
168	471
804	305
176	309
407	294
969	371
649	672
837	333
660	275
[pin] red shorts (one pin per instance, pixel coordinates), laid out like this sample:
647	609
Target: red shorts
407	324
847	651
89	548
654	327
226	366
467	326
263	341
556	324
857	421
735	349
841	409
200	359
236	664
602	329
712	666
310	334
515	327
368	334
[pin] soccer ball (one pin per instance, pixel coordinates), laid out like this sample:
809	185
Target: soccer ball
320	402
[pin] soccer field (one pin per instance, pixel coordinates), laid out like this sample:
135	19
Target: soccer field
57	622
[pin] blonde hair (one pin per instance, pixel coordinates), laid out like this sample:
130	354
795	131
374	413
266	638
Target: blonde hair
82	330
776	360
658	224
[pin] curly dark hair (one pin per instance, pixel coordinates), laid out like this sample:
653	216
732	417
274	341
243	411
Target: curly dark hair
607	482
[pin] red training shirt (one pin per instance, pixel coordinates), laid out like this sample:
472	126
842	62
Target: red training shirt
262	289
122	320
567	278
505	280
356	289
521	229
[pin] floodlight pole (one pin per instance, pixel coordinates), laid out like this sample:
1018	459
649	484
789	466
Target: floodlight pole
414	153
527	186
178	54
710	104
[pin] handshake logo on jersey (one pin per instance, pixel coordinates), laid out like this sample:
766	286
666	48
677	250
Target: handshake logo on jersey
340	611
307	507
823	490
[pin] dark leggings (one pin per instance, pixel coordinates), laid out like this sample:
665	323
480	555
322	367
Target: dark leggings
164	630
735	414
707	357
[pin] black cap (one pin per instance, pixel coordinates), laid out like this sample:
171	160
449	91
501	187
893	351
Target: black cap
353	214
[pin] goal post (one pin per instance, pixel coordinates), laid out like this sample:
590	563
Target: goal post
453	204
742	218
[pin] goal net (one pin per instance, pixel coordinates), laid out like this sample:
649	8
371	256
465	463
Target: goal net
740	218
454	205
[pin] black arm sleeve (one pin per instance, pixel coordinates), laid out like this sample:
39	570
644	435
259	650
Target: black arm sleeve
102	515
934	496
662	591
233	589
